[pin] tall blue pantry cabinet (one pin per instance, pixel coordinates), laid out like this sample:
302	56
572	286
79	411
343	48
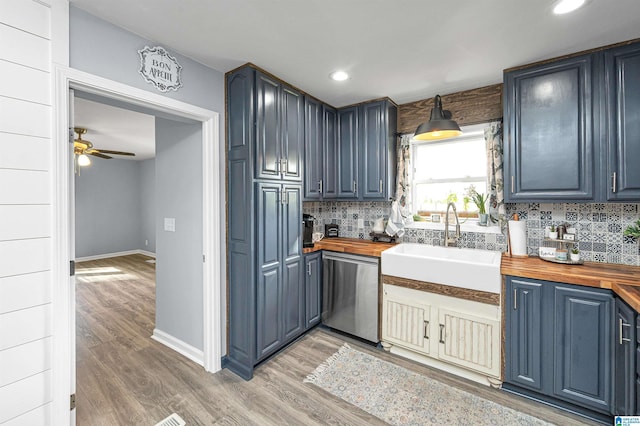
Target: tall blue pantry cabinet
266	288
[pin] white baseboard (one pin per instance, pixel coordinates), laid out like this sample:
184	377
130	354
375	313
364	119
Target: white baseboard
195	355
117	254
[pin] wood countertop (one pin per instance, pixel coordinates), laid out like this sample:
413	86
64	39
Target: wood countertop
350	245
624	280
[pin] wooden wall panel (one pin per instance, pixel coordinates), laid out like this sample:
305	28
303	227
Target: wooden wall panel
24	221
24	187
27	360
25	325
24	48
19	152
25	83
24	291
25	118
468	107
37	416
29	16
24	256
20	397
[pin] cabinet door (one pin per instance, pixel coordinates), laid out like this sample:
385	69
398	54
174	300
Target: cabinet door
313	149
469	341
269	283
523	350
373	144
268	128
347	165
622	67
582	344
625	361
330	144
293	301
405	322
313	280
549	131
292	120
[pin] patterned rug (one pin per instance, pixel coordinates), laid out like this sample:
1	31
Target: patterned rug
401	397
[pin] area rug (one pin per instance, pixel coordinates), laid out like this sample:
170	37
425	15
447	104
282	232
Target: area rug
401	397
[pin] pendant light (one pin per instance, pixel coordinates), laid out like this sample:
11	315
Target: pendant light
439	126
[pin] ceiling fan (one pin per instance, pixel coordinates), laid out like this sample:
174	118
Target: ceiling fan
83	148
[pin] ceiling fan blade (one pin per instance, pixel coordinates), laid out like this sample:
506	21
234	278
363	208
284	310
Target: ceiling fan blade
97	154
107	151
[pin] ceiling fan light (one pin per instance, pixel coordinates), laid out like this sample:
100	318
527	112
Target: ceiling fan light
84	160
439	126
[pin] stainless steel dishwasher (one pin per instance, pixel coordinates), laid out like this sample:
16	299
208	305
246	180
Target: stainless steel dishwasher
350	294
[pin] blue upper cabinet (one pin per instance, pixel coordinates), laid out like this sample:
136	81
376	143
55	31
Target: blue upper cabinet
279	130
347	161
329	184
622	69
313	149
366	151
550	122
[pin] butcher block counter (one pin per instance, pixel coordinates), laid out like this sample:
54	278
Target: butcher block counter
350	245
624	280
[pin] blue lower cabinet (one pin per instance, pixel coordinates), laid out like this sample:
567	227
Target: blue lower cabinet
313	288
626	349
559	344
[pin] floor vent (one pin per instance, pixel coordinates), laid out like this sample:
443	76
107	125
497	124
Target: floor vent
172	420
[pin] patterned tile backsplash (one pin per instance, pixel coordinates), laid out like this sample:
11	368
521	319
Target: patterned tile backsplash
599	226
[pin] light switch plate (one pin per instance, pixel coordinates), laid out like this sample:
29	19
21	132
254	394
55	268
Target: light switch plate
170	224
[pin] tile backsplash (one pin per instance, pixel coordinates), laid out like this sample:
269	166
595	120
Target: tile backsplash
599	226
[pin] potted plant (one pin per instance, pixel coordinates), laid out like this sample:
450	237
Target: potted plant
480	200
575	254
553	233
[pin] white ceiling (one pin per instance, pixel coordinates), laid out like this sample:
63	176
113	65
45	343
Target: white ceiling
405	49
116	129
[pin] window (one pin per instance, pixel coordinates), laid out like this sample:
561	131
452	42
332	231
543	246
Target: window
443	171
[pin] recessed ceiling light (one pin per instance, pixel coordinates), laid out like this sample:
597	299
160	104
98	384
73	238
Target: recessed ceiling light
339	76
566	6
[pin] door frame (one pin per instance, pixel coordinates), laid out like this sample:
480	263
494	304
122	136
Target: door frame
63	306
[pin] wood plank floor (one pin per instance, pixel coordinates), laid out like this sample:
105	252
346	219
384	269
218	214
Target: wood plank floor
125	378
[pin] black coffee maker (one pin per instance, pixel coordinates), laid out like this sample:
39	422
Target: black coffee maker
307	230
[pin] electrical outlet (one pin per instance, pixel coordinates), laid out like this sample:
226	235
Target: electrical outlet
360	223
170	224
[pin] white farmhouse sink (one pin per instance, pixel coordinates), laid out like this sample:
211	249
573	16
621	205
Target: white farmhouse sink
457	267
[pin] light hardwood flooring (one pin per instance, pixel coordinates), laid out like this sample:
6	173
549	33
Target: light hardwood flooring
125	378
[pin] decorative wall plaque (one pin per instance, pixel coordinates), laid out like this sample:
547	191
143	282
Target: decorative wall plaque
160	69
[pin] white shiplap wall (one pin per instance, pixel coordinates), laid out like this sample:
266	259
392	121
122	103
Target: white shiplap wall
25	213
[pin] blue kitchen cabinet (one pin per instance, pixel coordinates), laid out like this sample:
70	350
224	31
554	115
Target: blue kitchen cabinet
558	344
624	402
266	286
320	151
582	346
347	155
551	118
279	130
366	163
622	68
313	288
523	309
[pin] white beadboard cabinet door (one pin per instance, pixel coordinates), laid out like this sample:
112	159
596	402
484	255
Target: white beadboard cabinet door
469	341
29	16
25	325
24	291
405	321
27	360
24	256
24	48
17	152
24	395
25	118
29	84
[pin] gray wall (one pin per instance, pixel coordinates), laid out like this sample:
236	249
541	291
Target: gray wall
107	207
147	185
179	253
100	48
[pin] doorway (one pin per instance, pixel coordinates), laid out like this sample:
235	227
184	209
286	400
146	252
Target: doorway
64	295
